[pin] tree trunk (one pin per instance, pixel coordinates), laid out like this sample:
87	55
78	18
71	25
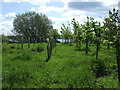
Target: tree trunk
86	46
28	42
34	40
55	42
118	58
79	45
49	51
70	41
22	43
18	42
108	46
65	41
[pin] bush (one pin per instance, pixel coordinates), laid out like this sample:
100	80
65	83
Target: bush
98	67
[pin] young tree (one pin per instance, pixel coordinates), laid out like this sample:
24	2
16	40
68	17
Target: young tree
108	31
66	33
97	29
114	29
54	35
77	33
88	32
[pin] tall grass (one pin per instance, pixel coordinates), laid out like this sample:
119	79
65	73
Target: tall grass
67	68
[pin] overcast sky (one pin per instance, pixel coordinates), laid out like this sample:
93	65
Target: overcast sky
59	11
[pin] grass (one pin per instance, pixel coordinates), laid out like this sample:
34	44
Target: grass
67	68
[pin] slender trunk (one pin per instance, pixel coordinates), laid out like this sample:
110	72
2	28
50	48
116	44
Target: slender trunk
39	39
97	49
55	42
70	41
79	45
49	51
34	40
18	42
22	43
86	46
108	46
76	43
65	40
28	42
118	58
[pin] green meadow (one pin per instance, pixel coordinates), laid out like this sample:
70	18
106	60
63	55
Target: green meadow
68	67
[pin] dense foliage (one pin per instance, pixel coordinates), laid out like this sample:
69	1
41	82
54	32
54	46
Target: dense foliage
33	26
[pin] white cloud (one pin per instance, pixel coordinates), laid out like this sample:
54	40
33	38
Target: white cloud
54	19
4	23
65	20
36	2
6	27
12	0
99	19
33	9
2	17
108	3
10	15
80	18
47	9
73	13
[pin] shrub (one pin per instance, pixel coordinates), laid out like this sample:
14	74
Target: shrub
98	67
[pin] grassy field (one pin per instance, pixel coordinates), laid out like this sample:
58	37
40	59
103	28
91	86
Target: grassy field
67	68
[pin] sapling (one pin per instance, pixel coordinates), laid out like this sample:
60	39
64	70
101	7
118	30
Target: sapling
114	29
